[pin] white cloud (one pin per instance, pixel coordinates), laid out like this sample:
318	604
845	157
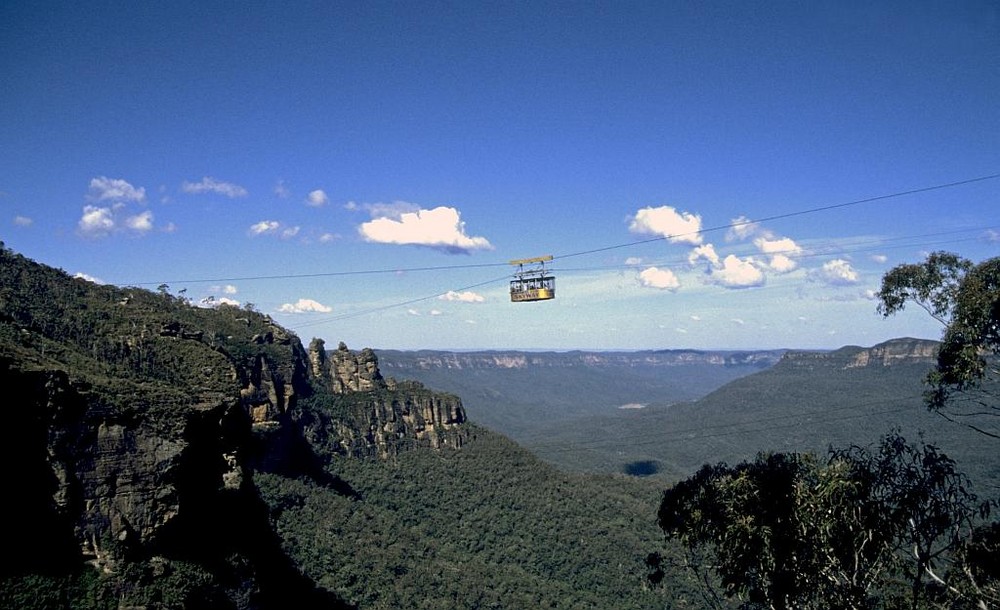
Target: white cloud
707	252
23	221
169	228
435	312
141	223
736	272
227	301
879	258
211	185
662	279
352	206
633	261
678	227
781	250
102	220
229	289
783	245
103	188
837	272
305	306
695	318
782	263
440	228
741	228
264	226
327	238
462	297
290	232
96	222
281	191
89	278
317	198
738	321
413	312
992	235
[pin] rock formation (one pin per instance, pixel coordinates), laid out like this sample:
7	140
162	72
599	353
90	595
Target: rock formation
141	415
897	351
384	417
354	372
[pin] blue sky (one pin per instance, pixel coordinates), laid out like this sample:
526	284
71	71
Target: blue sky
272	153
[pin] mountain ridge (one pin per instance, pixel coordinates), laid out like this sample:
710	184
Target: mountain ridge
404	360
143	419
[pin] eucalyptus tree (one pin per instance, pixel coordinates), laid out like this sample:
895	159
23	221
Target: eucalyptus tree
882	527
965	297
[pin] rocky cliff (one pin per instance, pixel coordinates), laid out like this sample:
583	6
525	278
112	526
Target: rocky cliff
423	360
140	416
384	416
895	352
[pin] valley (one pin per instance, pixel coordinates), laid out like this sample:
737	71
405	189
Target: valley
176	456
691	407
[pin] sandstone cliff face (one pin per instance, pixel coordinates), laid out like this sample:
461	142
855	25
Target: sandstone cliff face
120	479
115	480
354	372
141	414
404	362
895	352
383	417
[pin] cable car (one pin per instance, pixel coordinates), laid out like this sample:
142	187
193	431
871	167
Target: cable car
532	284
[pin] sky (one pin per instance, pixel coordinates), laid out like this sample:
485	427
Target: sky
707	175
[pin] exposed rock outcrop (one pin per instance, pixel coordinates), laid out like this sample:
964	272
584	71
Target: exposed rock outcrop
378	416
895	352
405	362
142	415
354	371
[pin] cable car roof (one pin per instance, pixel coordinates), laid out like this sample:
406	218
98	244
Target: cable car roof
528	261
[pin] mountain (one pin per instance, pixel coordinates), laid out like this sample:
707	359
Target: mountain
163	455
516	392
808	401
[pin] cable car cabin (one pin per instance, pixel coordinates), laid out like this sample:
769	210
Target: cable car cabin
532	284
540	288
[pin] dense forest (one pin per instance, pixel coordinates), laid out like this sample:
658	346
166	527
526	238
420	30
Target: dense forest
175	456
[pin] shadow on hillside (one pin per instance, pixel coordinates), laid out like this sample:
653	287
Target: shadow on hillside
641	468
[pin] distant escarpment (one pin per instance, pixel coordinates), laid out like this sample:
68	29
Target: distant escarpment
530	396
140	420
407	362
895	352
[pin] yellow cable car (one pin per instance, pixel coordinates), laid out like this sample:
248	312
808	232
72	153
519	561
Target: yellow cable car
532	284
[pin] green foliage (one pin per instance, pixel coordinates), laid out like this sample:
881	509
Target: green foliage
965	297
934	285
486	526
805	403
867	529
83	590
82	356
556	389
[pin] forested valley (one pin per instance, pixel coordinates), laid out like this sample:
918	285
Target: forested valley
173	456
